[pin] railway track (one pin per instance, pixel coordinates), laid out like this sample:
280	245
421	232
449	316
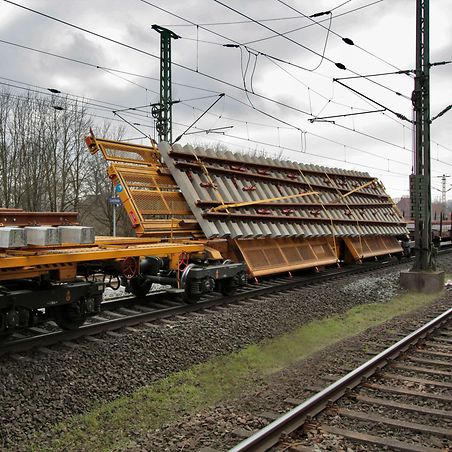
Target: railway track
401	399
127	311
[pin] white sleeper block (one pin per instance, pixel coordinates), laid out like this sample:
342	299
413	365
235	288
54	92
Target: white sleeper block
42	235
76	234
12	237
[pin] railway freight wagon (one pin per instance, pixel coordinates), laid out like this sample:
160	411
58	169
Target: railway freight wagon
204	221
275	216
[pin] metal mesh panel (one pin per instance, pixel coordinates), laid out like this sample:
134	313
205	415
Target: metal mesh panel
149	202
306	252
320	250
275	256
118	155
127	153
291	252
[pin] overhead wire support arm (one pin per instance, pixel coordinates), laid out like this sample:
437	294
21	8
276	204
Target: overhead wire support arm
402	71
220	96
322	118
219	130
442	112
399	115
131	124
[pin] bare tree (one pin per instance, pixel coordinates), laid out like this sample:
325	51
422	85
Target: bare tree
44	164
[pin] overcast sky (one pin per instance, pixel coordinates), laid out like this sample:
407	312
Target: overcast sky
289	71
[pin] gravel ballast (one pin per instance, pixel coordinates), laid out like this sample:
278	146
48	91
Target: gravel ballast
41	390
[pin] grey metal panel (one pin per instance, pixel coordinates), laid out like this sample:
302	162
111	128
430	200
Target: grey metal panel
222	228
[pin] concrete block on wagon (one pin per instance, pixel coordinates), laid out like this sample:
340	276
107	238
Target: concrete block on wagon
11	237
42	235
82	235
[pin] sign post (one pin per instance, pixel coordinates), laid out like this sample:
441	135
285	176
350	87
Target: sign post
115	201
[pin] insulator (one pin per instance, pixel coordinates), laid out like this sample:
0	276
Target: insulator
155	111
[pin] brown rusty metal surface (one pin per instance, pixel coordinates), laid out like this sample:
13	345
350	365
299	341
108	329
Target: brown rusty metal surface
365	247
19	217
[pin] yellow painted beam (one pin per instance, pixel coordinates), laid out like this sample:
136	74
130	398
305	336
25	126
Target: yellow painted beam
59	256
260	201
358	188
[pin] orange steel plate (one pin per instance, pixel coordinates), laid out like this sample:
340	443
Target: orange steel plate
372	246
101	252
269	256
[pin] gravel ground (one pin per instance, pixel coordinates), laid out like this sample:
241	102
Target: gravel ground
36	393
219	427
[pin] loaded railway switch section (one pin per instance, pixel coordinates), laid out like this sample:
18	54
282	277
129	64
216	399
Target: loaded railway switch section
275	216
204	221
279	216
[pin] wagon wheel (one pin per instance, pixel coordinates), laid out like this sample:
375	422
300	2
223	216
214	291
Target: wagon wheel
228	286
70	316
130	267
140	286
189	296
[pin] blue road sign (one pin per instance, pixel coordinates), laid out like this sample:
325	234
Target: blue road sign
115	201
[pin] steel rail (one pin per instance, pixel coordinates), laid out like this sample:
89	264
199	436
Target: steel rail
294	419
103	326
51	338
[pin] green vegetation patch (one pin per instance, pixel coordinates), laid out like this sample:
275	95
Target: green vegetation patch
113	425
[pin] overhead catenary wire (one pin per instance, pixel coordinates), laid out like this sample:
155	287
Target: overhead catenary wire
155	56
344	39
191	69
136	125
339	65
107	107
384	171
240	22
322	56
232	85
103	68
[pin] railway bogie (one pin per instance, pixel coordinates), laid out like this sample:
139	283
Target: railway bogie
191	277
27	303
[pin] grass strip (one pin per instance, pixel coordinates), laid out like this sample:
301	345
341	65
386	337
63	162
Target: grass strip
113	425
